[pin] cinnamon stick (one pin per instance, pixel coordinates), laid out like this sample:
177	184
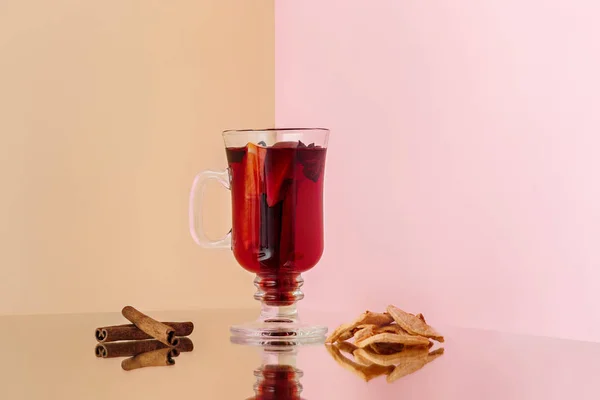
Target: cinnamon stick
158	330
131	332
156	358
135	347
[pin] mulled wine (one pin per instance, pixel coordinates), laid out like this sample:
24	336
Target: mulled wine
277	196
276	182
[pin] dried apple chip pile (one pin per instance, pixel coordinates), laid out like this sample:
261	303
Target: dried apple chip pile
394	343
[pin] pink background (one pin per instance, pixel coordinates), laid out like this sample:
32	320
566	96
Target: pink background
462	177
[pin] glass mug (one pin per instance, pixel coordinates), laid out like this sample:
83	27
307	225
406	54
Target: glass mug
278	377
276	182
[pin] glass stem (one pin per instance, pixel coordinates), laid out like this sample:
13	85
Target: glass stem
278	295
278	314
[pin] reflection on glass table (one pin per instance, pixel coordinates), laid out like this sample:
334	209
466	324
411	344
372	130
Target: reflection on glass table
369	363
51	357
278	378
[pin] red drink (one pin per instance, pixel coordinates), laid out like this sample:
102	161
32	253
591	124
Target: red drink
277	382
277	195
277	233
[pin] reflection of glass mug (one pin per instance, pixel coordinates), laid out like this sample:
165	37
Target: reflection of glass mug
276	182
278	378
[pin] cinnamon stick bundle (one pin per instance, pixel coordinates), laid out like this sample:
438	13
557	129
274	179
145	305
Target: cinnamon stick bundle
156	358
131	332
158	330
133	348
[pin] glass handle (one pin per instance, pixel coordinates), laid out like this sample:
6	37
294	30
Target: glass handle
196	196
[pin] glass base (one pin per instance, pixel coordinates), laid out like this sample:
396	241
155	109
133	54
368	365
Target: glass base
278	326
277	333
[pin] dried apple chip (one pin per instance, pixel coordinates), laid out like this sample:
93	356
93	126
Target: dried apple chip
435	354
407	367
353	332
373	318
346	335
346	331
364	331
413	364
389	359
364	372
413	324
390	329
405	339
385	348
358	356
340	331
346	347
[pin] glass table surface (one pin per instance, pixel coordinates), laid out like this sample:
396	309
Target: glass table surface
52	357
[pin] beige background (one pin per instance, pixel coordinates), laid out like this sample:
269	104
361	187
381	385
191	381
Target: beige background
107	111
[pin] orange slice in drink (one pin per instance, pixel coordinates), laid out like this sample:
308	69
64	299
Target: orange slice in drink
254	170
